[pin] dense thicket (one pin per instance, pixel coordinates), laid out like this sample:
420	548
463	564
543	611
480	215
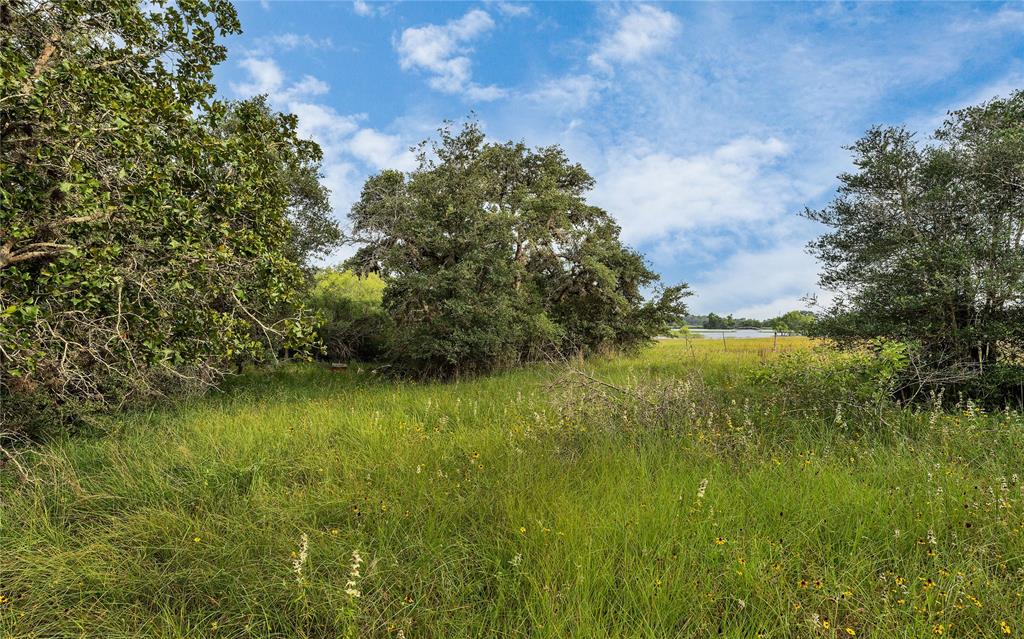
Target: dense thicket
353	322
492	256
149	236
927	247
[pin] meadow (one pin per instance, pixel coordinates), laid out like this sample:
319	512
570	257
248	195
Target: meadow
676	493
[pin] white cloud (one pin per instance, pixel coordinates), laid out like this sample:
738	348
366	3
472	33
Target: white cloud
643	31
307	86
344	180
1006	18
513	9
569	93
657	193
485	93
323	122
362	8
264	46
442	50
264	77
289	41
381	151
758	284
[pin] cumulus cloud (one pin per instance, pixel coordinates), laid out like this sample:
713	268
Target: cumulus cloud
659	193
642	31
264	77
443	52
381	151
758	284
322	122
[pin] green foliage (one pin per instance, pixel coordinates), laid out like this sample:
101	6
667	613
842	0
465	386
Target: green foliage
354	324
861	380
145	232
314	232
717	321
799	322
492	257
926	247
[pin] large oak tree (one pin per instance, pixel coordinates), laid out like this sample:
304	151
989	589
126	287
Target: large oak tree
492	256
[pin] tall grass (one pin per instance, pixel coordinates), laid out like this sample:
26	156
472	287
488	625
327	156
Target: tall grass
306	503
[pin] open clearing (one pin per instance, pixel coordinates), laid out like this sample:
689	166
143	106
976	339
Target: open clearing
484	508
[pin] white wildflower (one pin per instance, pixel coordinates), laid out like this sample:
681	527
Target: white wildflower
702	488
351	586
300	559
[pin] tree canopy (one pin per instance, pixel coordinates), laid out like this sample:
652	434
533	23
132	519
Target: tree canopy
492	256
927	244
149	235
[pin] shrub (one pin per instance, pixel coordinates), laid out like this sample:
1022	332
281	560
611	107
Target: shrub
354	325
862	379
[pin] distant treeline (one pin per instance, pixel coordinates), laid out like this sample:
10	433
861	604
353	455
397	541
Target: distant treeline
791	322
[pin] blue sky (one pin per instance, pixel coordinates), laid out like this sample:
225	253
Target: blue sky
708	127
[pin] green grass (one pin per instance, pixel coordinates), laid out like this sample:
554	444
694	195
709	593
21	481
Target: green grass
488	508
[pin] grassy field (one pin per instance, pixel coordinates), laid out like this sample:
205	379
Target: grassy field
696	502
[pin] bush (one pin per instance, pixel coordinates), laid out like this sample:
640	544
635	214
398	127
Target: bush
354	325
822	377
